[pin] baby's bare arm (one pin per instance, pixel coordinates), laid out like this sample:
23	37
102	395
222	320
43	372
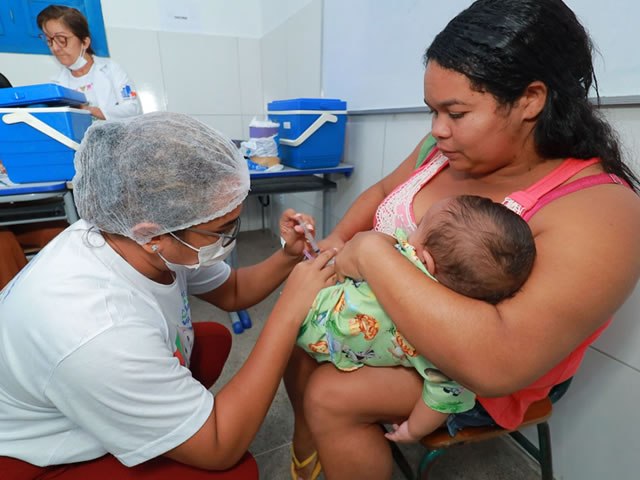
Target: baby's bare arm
422	421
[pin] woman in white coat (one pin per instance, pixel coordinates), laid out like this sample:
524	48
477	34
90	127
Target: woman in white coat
110	94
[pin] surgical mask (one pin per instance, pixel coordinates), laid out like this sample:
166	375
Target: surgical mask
207	255
174	267
79	63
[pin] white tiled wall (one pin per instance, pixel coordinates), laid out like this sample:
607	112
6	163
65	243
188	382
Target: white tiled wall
250	71
202	73
27	69
275	64
138	51
291	56
291	63
304	45
595	426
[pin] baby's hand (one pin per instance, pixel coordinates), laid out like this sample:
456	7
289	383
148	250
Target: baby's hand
401	434
332	241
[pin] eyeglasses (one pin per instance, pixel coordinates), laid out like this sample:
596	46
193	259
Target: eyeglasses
227	236
60	40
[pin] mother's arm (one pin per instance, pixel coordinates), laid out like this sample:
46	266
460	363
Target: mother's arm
588	263
360	215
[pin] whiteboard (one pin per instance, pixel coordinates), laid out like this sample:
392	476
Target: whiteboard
372	49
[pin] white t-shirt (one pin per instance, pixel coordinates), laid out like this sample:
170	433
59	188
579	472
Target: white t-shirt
88	356
106	86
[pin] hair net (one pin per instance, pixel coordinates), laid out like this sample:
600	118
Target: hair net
156	173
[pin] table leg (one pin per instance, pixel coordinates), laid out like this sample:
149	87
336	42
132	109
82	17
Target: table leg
240	320
326	213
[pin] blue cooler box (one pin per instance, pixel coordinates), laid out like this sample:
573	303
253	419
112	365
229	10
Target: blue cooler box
44	94
38	144
311	131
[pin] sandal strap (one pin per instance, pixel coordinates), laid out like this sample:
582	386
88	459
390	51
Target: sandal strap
316	471
298	464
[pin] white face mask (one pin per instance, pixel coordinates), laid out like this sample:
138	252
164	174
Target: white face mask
79	63
207	255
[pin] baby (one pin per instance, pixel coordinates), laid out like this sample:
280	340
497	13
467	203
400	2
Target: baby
470	244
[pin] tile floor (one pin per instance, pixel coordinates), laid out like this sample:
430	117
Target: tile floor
500	459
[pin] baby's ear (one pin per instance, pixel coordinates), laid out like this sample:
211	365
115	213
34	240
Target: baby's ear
428	261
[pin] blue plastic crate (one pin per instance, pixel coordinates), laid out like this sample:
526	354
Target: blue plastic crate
44	94
38	144
311	132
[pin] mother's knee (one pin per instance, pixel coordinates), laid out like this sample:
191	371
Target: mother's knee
324	398
365	396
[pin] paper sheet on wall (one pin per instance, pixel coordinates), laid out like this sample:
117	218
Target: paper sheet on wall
182	16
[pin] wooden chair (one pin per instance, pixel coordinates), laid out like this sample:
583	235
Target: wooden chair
537	414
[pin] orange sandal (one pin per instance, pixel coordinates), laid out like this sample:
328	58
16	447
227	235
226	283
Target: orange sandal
297	465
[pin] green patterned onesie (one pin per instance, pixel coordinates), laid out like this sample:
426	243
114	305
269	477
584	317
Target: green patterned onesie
347	326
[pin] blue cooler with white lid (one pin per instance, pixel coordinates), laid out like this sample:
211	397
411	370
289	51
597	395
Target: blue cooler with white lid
38	144
44	94
311	131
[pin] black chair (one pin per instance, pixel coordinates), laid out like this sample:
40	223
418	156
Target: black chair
4	82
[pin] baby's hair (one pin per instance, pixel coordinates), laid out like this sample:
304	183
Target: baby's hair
481	249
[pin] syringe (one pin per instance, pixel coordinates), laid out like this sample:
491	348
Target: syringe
310	238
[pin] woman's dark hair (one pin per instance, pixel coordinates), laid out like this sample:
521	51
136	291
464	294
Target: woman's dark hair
71	17
504	45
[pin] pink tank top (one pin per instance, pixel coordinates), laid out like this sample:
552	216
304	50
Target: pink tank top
397	211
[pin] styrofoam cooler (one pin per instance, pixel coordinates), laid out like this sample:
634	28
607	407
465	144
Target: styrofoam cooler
38	144
311	132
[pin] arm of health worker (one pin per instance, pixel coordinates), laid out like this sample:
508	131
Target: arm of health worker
241	405
248	286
